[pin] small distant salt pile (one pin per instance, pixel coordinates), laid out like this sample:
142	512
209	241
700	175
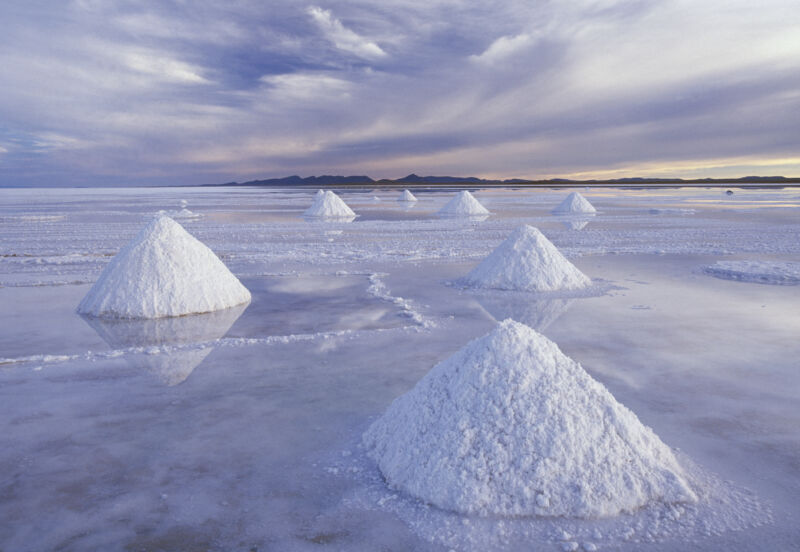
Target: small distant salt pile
163	271
329	205
511	426
406	196
527	261
575	203
463	204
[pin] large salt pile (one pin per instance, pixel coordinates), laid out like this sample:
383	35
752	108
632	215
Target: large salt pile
511	426
575	203
463	204
163	271
407	196
329	205
527	261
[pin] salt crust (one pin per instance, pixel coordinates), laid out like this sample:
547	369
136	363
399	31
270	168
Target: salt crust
328	204
463	204
407	196
511	426
575	203
163	271
527	261
759	272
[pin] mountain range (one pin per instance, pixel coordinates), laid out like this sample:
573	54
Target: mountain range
331	180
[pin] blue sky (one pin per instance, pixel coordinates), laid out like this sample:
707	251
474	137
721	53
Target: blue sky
124	92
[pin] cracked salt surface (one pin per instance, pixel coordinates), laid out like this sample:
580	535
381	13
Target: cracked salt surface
257	445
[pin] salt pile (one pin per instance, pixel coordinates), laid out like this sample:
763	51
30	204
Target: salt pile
511	426
407	196
463	204
163	271
328	204
527	261
575	203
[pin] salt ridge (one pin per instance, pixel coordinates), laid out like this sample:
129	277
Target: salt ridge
163	271
511	426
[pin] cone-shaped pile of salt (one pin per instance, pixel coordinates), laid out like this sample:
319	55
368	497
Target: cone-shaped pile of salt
511	426
527	261
463	204
329	205
407	196
575	203
163	271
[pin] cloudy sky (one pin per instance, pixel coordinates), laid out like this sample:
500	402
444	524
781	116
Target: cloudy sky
197	91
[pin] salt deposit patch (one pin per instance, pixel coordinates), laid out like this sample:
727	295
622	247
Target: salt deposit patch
163	271
511	426
528	261
329	205
463	204
575	203
760	272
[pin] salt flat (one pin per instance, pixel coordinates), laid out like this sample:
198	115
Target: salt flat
243	431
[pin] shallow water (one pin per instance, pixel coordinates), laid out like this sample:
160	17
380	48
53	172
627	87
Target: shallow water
241	431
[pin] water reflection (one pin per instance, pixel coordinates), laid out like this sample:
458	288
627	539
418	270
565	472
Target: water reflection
470	218
175	366
575	222
536	313
329	220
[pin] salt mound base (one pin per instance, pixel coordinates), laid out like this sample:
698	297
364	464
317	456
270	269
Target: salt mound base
463	204
407	196
328	204
163	271
527	261
575	203
511	426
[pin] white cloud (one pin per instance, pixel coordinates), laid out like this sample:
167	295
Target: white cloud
164	68
306	86
3	150
342	37
503	47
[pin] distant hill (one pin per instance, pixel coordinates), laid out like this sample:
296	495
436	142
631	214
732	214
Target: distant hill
324	180
330	180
